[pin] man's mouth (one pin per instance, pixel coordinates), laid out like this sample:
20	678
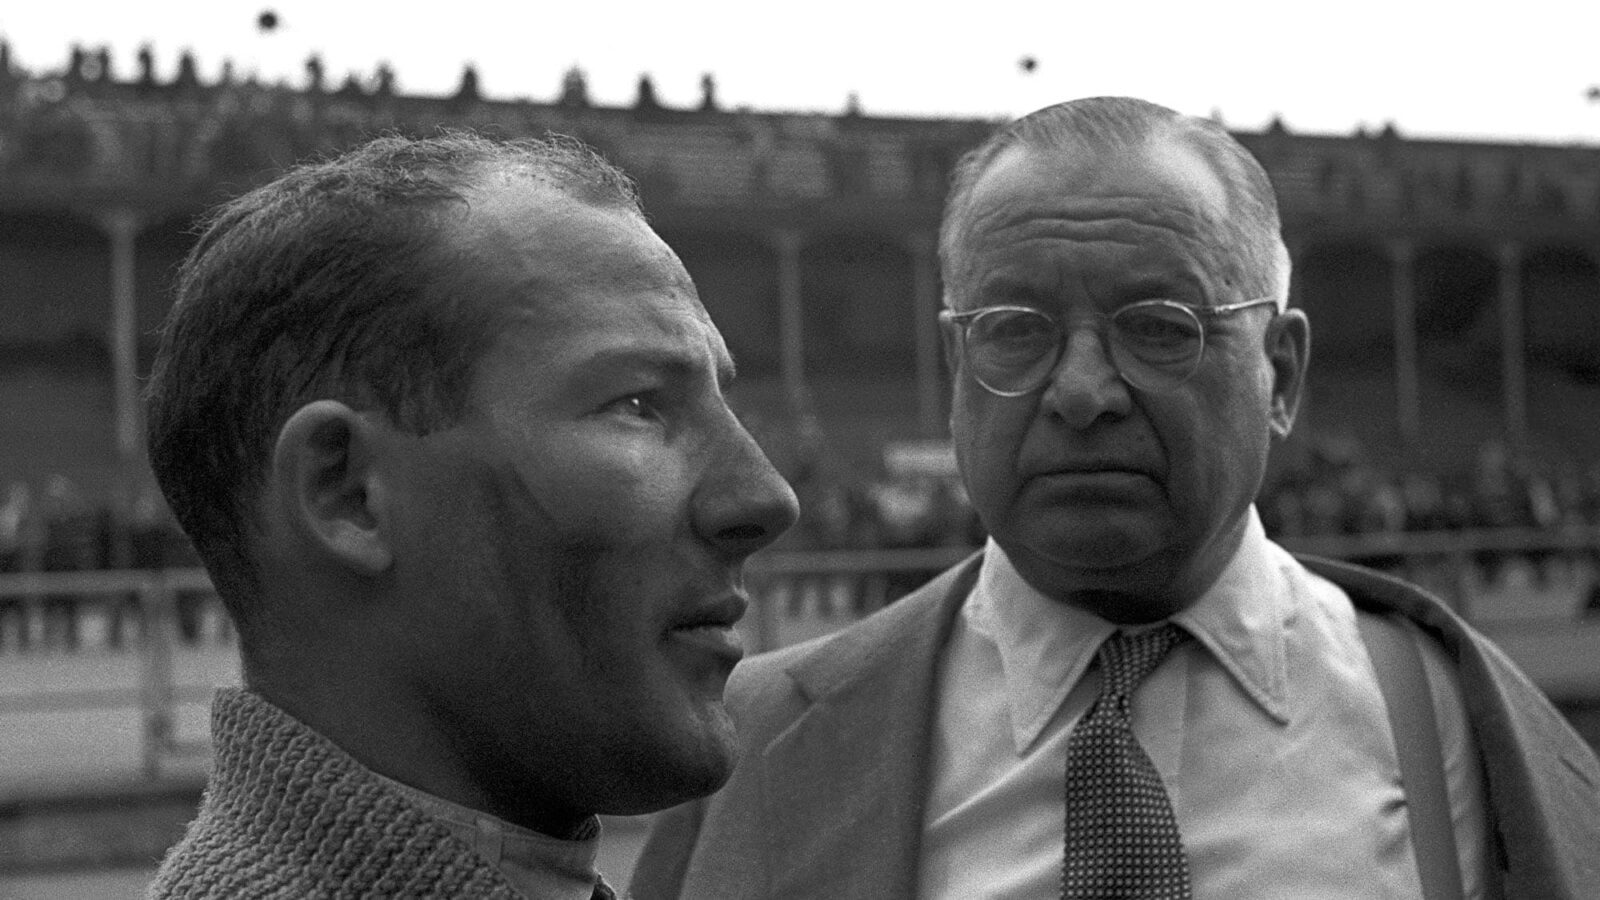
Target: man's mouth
721	612
709	628
722	641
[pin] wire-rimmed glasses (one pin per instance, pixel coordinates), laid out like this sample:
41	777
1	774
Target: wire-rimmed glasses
1156	345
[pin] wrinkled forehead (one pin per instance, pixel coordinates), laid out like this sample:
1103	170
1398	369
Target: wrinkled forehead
530	227
529	237
1159	199
666	330
529	253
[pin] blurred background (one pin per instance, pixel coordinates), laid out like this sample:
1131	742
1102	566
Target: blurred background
1439	176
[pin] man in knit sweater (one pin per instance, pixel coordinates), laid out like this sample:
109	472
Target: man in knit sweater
445	420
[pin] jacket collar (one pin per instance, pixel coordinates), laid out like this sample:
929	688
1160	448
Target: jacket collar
1540	776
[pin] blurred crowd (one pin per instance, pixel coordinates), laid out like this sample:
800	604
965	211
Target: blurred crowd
885	512
58	527
1337	488
1332	488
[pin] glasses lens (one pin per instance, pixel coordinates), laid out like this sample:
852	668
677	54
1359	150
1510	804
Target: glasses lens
1012	351
1156	345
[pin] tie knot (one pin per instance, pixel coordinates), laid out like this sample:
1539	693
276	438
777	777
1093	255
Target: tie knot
1126	658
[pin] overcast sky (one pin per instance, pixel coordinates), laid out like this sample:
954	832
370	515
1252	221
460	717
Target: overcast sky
1504	71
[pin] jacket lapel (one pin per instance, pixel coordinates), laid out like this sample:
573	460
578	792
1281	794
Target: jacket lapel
1541	778
844	786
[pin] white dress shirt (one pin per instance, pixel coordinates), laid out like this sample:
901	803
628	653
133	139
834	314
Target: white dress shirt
1269	731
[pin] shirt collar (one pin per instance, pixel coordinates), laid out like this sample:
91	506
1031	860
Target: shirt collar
1243	619
1046	646
538	864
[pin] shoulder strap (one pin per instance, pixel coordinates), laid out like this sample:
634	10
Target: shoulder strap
1404	683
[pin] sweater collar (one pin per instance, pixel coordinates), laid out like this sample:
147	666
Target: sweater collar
290	794
538	864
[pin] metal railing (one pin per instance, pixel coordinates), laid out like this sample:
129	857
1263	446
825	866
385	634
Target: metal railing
145	602
155	612
834	584
1461	544
1466	568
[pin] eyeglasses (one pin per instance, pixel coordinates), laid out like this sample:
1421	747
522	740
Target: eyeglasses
1156	345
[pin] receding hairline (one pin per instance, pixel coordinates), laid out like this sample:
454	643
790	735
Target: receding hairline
1112	125
1160	137
490	256
490	205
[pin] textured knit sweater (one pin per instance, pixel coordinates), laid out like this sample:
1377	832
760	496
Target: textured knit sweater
288	814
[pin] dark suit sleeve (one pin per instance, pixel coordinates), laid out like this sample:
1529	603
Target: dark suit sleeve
659	873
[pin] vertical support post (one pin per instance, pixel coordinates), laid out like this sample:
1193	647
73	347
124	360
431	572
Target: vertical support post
925	324
765	591
1402	257
791	317
158	613
1513	347
122	228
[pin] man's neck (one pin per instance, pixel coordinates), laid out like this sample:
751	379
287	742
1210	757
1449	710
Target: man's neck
1150	590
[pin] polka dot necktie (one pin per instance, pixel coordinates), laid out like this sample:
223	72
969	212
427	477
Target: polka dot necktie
1122	839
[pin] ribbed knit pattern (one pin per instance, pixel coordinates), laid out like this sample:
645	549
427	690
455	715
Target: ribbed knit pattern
288	814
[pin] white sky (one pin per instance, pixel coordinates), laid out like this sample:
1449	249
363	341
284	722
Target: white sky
1438	68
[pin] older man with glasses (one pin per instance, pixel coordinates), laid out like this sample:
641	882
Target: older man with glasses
1131	691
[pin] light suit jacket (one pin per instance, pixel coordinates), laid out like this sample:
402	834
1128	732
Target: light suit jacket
827	799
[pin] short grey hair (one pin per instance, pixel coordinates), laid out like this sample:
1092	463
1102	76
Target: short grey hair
1261	264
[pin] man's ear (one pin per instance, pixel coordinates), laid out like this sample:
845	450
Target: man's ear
324	484
950	339
1288	346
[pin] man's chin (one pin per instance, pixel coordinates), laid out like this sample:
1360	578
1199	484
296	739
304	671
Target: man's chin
703	759
679	778
1112	545
720	752
721	738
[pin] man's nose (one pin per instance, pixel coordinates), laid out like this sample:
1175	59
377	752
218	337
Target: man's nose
743	504
1085	385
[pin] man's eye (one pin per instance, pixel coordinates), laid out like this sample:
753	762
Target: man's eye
635	405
